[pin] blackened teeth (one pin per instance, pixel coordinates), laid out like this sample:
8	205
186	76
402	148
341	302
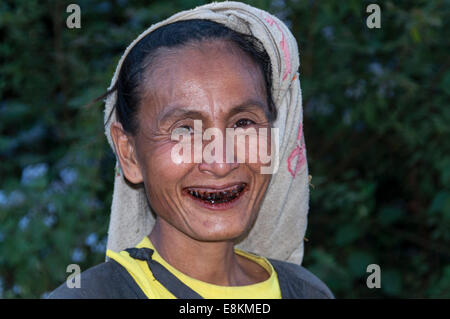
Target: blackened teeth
218	197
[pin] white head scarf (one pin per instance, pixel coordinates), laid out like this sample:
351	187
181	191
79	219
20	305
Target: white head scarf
281	224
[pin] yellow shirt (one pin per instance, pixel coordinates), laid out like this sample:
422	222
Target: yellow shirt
153	289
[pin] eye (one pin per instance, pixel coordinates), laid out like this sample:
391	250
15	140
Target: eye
243	123
189	128
183	130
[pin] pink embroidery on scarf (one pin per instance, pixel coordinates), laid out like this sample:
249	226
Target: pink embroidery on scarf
297	152
284	47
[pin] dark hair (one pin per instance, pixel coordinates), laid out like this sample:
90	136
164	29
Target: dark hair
174	35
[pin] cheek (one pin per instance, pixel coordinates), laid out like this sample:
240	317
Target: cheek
161	172
263	149
255	150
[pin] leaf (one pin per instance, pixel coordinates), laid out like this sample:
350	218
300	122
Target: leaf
391	282
389	215
440	203
358	261
347	234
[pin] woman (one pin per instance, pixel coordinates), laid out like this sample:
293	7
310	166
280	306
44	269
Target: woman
175	224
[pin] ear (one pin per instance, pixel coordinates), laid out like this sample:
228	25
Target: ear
126	153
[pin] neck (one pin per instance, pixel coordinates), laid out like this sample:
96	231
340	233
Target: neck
211	262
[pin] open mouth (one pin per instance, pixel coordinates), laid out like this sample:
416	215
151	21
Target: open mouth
217	196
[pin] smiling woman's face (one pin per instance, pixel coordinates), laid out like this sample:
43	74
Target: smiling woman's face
224	89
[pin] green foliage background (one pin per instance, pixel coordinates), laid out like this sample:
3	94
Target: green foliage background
377	115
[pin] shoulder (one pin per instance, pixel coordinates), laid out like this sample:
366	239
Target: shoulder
297	282
107	280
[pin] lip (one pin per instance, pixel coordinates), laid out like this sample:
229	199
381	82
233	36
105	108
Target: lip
217	206
215	188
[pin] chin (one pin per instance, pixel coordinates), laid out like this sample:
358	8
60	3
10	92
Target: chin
213	231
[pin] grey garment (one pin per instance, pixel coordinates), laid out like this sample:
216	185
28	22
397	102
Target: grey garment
297	282
110	280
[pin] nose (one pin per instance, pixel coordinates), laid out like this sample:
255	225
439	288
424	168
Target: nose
218	169
216	164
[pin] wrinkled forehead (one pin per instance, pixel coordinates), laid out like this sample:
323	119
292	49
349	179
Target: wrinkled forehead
200	74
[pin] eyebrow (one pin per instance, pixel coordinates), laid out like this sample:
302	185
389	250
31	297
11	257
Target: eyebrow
176	112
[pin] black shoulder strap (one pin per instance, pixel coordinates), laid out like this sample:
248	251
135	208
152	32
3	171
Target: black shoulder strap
165	277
